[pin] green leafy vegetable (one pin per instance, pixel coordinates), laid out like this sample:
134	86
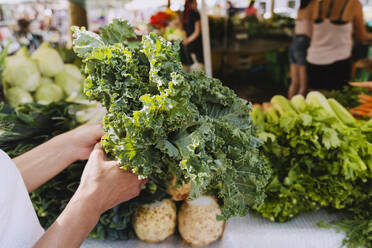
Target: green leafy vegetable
348	96
163	121
17	96
21	71
321	157
48	60
47	93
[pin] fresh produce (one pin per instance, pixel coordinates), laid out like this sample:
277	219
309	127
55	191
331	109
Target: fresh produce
31	124
61	81
21	71
71	87
47	93
318	156
348	96
365	101
162	121
179	192
197	224
367	85
45	80
17	96
48	60
156	221
321	157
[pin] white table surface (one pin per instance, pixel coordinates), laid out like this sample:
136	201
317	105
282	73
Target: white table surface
254	232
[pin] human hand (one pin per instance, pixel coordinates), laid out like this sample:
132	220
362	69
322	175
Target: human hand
185	42
81	140
105	184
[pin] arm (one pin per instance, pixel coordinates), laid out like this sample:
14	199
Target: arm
359	26
42	163
194	35
103	185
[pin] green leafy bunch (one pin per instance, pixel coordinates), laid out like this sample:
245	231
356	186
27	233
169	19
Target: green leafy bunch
317	160
162	121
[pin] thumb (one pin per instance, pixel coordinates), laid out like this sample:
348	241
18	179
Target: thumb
97	152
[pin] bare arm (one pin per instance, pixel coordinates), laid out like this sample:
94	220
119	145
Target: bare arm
42	163
359	26
103	185
193	36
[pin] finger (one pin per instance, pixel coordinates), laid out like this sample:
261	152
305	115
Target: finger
112	163
144	181
97	131
97	152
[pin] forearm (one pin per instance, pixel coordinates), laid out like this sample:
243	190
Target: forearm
369	37
73	226
42	163
192	37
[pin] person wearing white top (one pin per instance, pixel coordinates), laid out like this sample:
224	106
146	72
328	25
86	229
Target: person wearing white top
103	185
329	55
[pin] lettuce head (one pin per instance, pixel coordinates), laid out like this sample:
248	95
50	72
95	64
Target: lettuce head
20	71
48	60
16	96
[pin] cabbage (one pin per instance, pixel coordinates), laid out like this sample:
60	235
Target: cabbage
68	83
16	96
73	71
21	55
22	72
45	80
48	93
48	60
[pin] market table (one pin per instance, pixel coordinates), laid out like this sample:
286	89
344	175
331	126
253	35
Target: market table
243	55
254	232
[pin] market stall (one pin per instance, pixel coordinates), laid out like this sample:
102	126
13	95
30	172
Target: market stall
221	171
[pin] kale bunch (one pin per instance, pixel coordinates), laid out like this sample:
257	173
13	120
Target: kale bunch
162	121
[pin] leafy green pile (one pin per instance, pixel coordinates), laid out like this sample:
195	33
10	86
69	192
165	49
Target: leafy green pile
31	124
321	157
348	96
163	121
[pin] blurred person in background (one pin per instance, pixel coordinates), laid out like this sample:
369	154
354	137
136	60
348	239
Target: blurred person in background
298	50
231	10
24	35
251	10
193	41
329	55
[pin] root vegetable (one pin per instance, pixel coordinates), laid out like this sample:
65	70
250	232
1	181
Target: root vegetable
179	193
197	221
155	222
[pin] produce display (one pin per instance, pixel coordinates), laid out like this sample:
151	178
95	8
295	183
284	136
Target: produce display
279	26
364	109
321	157
207	154
162	122
41	77
168	24
347	96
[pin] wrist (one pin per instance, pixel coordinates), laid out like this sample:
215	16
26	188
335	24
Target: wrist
88	202
64	143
